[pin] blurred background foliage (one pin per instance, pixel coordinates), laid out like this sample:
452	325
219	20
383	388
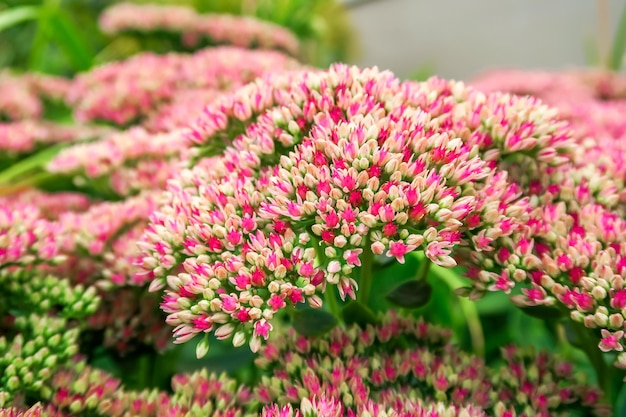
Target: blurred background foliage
62	36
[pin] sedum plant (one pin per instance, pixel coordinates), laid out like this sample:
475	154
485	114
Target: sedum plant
314	216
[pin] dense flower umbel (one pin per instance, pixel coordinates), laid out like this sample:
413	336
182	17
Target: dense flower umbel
402	367
593	102
355	366
127	91
26	238
81	390
322	166
36	410
176	114
84	390
21	96
393	408
100	244
18	139
196	30
37	343
572	259
126	162
571	250
50	205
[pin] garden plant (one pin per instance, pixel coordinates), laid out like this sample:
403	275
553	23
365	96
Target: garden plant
222	229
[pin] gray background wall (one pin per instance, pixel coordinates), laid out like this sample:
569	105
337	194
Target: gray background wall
459	38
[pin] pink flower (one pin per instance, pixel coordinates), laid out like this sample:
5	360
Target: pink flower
611	341
398	250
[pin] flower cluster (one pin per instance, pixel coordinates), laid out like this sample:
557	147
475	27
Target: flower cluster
84	390
23	95
50	205
570	252
196	29
400	367
125	162
353	366
176	114
322	170
392	408
18	139
100	244
38	343
592	101
128	91
26	237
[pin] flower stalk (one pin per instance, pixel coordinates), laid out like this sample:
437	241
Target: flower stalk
367	266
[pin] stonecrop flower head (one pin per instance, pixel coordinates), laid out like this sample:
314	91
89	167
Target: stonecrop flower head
50	205
123	163
126	92
175	115
24	96
27	238
23	138
399	367
320	170
391	408
592	101
196	30
570	252
402	360
43	312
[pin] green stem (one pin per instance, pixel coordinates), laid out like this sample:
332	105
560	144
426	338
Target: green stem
330	298
367	266
469	309
423	268
590	347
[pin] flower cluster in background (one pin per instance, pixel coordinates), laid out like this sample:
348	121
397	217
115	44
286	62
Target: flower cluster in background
197	29
125	92
25	137
25	96
349	372
576	258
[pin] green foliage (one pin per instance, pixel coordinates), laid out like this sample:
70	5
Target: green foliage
411	294
62	36
357	313
313	322
619	43
16	15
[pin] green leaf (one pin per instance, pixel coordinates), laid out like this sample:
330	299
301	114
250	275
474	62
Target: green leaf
387	277
16	15
571	335
313	322
452	278
619	43
357	313
411	294
542	312
494	303
69	38
34	162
